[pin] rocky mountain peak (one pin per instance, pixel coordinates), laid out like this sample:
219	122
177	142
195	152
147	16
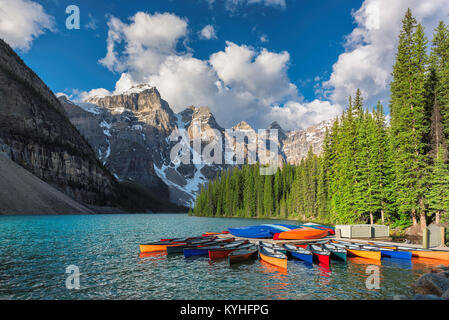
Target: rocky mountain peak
276	126
140	98
200	115
243	126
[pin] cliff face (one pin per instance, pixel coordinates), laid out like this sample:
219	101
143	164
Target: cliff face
297	143
41	139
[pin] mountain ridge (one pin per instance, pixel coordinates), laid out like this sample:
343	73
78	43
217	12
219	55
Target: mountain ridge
140	118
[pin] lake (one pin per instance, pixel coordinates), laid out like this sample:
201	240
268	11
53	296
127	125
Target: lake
36	250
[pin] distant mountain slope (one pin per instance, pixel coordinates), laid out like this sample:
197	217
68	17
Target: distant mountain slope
35	126
23	193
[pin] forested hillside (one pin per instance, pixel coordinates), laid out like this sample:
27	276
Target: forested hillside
371	169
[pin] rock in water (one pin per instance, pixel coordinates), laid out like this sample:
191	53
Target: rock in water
445	295
431	283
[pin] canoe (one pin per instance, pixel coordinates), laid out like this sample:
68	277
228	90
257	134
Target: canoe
322	255
273	257
364	253
302	233
273	246
391	253
424	253
430	254
336	252
158	246
208	234
221	253
260	231
330	230
203	250
240	255
180	249
299	253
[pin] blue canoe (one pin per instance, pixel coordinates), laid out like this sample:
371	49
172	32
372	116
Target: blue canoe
406	255
299	253
261	231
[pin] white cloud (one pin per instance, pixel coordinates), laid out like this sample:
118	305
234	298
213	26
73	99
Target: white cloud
208	32
149	40
21	21
264	38
370	48
80	96
237	83
301	115
92	24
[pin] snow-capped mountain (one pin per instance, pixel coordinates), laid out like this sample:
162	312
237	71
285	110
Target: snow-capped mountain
138	137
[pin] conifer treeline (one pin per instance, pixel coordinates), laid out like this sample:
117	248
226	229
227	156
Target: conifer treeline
369	171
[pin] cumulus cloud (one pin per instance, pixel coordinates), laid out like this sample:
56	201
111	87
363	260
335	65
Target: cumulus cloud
238	83
149	40
370	48
208	32
301	115
22	21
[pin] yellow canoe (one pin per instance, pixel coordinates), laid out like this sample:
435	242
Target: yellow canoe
368	254
275	261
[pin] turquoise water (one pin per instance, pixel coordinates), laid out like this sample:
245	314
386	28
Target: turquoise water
35	251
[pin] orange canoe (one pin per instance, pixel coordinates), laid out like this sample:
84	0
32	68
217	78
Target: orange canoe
368	254
274	257
157	247
440	255
302	234
275	261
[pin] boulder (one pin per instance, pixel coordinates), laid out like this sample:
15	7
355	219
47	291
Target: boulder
445	295
431	283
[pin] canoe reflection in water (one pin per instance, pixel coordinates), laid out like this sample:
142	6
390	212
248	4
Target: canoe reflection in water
276	280
160	255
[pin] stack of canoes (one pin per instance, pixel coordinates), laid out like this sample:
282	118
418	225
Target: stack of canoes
283	231
264	231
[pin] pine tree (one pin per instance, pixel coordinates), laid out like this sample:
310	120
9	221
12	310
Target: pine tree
409	126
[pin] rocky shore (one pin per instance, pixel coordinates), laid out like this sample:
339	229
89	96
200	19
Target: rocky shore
431	286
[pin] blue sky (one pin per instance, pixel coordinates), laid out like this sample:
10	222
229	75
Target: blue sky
293	61
311	31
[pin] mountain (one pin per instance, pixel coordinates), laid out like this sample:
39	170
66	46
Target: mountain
134	134
37	135
297	143
41	138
